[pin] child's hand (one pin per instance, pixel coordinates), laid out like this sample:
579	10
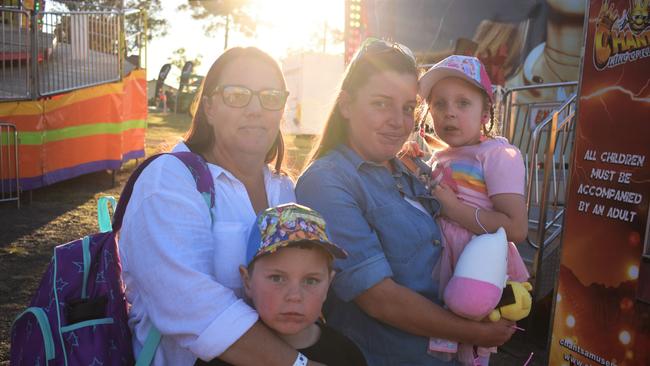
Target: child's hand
411	149
447	198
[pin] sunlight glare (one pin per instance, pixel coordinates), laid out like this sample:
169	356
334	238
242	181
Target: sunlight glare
285	25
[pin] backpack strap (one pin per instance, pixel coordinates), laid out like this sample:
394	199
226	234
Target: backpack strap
149	348
195	163
201	173
103	213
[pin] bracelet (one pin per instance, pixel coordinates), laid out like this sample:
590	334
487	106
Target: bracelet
301	360
479	222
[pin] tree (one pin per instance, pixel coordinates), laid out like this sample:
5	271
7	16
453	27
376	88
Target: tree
321	41
179	58
219	13
328	37
156	25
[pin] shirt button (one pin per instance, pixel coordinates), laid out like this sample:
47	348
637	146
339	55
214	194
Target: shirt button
436	242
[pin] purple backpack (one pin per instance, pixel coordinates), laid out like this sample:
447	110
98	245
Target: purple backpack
78	315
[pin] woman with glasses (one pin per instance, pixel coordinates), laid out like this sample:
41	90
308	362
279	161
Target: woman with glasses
180	257
383	296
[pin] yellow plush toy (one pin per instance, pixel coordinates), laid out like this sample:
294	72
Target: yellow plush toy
515	302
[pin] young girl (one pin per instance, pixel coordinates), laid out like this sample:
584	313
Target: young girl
479	178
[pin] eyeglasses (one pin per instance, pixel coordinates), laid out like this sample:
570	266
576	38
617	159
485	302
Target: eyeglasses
375	45
240	96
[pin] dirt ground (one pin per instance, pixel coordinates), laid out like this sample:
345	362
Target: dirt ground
57	214
67	211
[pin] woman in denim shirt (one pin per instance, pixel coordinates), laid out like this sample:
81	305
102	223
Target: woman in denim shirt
383	297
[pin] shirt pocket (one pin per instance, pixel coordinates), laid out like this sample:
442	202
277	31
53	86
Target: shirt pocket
230	238
397	231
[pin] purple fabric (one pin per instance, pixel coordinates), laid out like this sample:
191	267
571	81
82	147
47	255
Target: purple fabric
105	339
59	175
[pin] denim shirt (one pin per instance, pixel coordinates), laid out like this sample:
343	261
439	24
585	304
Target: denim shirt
385	236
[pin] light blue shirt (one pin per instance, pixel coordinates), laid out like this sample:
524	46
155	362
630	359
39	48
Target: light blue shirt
385	236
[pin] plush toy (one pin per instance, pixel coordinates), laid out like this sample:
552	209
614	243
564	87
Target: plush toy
479	277
515	302
479	288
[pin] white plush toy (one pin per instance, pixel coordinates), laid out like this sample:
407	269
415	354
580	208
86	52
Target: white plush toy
479	277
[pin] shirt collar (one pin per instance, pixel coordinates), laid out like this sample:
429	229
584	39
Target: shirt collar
357	161
217	171
399	168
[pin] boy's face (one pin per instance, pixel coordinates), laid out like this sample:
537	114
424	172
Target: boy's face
288	287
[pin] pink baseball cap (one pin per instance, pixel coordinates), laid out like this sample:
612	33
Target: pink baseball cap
465	67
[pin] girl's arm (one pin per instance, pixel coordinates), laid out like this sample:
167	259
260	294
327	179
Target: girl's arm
509	212
411	312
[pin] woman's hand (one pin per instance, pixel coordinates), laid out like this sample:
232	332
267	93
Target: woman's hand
494	333
447	198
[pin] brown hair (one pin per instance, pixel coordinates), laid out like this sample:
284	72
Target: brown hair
200	137
359	71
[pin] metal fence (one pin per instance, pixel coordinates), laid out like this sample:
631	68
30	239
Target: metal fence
548	171
87	50
527	113
522	108
53	52
540	121
548	178
9	174
15	54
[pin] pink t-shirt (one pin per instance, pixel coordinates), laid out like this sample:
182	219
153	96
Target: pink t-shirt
476	173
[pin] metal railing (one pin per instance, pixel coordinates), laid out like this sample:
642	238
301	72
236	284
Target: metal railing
526	113
540	121
548	172
15	54
9	173
548	180
530	104
53	52
87	50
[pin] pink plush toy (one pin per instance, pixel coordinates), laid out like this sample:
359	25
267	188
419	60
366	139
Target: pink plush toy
479	277
474	291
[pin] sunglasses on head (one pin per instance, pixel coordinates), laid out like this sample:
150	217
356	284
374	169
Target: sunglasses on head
237	96
373	46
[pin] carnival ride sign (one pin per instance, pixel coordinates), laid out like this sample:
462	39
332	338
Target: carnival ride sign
602	311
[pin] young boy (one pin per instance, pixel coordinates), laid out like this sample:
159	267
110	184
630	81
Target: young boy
289	270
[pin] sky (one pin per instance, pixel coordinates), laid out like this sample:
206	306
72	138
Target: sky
283	25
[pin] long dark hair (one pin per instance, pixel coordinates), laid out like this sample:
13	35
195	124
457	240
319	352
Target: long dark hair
366	63
200	137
